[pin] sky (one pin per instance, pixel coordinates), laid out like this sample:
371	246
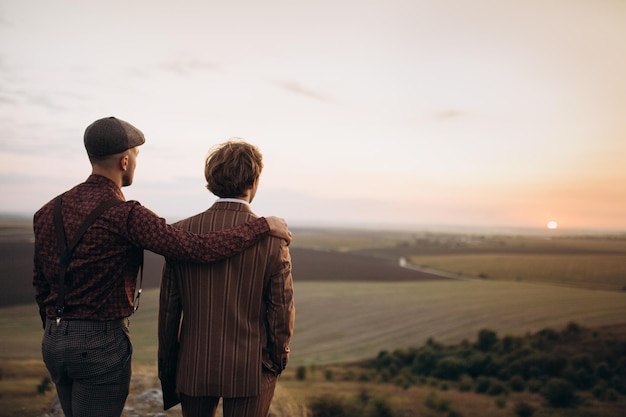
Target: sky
383	113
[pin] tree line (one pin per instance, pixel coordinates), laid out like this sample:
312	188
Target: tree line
553	363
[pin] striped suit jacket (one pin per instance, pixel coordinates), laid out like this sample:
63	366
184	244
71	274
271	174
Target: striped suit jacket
222	324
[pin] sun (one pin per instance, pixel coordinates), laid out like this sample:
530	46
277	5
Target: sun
552	224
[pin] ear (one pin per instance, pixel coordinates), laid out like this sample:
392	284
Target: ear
124	162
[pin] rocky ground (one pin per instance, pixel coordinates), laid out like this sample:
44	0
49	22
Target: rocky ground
145	400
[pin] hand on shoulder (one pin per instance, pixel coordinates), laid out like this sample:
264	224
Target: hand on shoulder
279	228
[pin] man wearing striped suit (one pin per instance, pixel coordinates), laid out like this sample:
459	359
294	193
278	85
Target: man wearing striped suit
225	327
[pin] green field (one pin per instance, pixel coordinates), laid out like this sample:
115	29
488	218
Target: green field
339	322
607	272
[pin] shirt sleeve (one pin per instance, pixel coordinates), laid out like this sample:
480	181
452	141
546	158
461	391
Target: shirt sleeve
40	284
152	232
42	290
281	311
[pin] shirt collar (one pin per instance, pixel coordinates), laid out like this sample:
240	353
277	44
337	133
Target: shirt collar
232	200
103	181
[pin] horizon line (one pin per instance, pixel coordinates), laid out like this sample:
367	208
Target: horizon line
408	228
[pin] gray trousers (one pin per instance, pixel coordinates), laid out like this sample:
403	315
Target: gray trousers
90	364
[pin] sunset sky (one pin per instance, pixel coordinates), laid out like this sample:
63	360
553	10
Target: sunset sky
379	113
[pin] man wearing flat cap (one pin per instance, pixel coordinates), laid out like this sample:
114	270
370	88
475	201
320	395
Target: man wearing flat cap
89	244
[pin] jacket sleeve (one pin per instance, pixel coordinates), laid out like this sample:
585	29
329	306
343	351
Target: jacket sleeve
281	311
170	316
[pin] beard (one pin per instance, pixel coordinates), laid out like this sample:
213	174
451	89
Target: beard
127	179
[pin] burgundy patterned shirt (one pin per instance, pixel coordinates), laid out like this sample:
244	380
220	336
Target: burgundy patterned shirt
102	273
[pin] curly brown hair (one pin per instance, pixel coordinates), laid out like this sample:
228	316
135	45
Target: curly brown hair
232	167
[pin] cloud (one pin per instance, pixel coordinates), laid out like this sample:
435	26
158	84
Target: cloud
296	88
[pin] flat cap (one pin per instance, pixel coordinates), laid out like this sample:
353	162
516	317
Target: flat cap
110	135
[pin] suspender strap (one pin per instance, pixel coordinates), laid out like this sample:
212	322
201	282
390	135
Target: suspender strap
136	300
66	249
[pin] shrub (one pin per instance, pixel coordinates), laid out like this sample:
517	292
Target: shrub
560	393
620	369
603	393
477	363
450	368
510	343
349	376
548	336
382	408
582	379
619	383
393	369
44	386
365	377
431	401
364	396
301	373
599	390
572	329
582	361
385	376
497	388
487	339
611	395
517	383
402	382
543	364
534	385
328	375
331	406
434	403
424	362
482	384
383	359
454	413
603	371
501	402
466	383
553	364
523	409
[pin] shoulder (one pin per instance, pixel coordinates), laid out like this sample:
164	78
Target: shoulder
191	222
46	208
128	207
